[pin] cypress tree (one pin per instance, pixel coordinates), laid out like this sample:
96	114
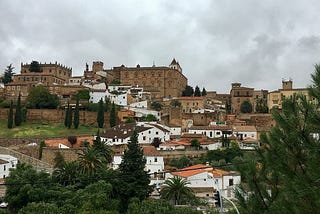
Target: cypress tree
10	116
76	115
100	114
66	116
204	92
197	92
69	119
113	118
18	115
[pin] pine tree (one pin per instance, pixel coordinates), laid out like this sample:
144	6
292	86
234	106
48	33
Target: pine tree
100	114
8	73
133	179
18	115
76	115
113	116
284	178
197	92
10	116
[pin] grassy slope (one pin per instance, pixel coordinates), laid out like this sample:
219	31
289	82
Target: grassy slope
43	130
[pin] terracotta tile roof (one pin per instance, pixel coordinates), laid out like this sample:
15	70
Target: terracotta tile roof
150	151
193	136
123	131
55	142
244	128
192	170
3	161
210	128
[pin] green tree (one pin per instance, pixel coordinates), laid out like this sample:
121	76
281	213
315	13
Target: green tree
176	189
197	92
100	114
67	173
24	114
133	180
188	91
156	106
180	163
261	105
58	160
82	94
39	97
113	116
10	116
149	118
35	67
41	146
8	74
102	149
66	116
26	185
76	115
90	161
130	120
175	103
246	107
204	92
18	115
69	117
40	207
285	176
195	143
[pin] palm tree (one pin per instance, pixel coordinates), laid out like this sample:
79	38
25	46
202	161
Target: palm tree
90	161
67	173
176	189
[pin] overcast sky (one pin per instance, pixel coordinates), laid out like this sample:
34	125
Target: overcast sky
216	42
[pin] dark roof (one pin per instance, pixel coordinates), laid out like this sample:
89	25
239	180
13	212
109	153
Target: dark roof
3	161
159	127
123	131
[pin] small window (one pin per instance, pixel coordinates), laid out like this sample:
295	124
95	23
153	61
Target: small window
144	138
4	167
230	182
155	159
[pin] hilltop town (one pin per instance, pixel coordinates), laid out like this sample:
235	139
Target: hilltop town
184	131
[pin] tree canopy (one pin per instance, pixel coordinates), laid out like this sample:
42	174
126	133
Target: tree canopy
246	107
188	91
197	92
40	97
284	178
8	74
35	67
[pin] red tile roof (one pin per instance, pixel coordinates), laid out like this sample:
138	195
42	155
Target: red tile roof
55	142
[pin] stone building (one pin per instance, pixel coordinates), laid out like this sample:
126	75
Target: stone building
50	74
161	81
287	90
238	95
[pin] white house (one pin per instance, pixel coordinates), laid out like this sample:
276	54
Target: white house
205	180
142	104
154	164
147	132
243	132
120	99
140	112
7	162
96	95
212	131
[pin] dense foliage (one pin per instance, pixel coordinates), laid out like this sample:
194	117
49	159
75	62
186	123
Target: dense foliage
246	107
18	114
10	116
8	74
284	178
40	97
188	91
113	115
100	114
